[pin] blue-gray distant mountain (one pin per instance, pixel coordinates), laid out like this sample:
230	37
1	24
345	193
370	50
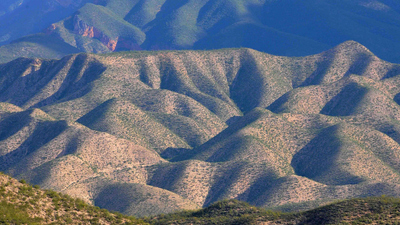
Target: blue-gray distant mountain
284	27
22	17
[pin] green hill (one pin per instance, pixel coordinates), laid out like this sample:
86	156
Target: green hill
21	203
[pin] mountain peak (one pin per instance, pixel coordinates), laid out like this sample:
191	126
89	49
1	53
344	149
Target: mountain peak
352	46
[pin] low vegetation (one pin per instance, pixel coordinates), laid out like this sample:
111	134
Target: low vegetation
21	203
186	129
373	210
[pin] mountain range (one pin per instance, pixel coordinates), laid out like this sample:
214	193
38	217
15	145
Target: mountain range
56	28
153	132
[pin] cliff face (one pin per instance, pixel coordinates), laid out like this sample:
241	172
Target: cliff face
82	28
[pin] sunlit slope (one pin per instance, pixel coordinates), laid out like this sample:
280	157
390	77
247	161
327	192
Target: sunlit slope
71	158
204	126
22	203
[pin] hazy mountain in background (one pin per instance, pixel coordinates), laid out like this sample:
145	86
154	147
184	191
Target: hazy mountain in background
23	17
150	132
285	27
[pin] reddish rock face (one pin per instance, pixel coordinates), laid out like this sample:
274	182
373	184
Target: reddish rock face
83	29
108	42
50	29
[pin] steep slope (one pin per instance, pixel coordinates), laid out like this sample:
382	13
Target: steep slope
71	158
125	120
202	126
37	45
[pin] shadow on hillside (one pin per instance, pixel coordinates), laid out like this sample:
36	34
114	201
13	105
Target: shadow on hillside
346	102
32	83
394	71
223	183
233	120
233	128
118	197
233	149
170	79
71	147
44	132
360	64
260	188
71	87
170	153
40	174
14	123
277	105
322	68
391	129
165	176
397	98
248	86
318	160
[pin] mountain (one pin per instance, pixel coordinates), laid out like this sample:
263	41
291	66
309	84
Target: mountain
276	27
154	132
21	203
19	18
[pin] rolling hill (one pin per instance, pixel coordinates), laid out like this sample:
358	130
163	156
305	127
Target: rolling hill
276	27
171	130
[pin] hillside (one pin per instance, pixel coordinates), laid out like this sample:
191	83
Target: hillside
276	27
21	203
184	129
378	210
19	18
